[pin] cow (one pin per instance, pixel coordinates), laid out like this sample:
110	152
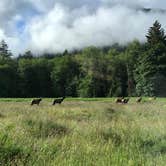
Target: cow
139	100
36	101
125	101
119	100
58	101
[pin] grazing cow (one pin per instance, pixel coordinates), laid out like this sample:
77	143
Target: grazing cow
119	100
139	100
125	101
36	101
58	101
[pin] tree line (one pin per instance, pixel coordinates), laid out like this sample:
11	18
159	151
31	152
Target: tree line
136	69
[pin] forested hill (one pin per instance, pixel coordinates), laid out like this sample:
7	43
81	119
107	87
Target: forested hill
134	70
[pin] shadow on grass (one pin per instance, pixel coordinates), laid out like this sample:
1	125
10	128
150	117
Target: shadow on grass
2	116
11	153
110	113
113	136
154	146
45	128
82	116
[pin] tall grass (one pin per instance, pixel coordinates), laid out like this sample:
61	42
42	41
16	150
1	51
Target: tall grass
84	133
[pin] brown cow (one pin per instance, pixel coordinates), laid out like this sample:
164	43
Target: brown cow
125	101
119	100
36	101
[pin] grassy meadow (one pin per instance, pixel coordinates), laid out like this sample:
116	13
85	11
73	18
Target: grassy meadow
83	132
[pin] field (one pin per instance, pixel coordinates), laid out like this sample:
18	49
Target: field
83	132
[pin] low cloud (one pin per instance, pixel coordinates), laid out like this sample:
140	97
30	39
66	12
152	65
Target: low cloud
64	29
55	25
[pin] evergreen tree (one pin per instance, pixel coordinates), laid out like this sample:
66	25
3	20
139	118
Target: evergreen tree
132	54
4	52
151	66
156	34
27	55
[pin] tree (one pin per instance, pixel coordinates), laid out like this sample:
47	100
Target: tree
8	79
156	34
8	72
4	52
95	80
152	63
119	76
132	54
26	55
65	76
35	80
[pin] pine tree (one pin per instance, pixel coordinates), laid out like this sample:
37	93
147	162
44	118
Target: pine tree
156	34
151	67
4	52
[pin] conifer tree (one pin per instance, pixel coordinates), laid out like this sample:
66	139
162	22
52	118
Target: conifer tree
4	52
156	34
151	67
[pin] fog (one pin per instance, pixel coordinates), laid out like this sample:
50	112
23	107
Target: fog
55	25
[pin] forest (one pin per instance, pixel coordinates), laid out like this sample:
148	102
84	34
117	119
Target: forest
134	69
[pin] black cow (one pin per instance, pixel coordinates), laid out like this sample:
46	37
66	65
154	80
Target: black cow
58	101
36	101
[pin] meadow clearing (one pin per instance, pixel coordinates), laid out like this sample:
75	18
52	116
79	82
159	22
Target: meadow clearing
83	132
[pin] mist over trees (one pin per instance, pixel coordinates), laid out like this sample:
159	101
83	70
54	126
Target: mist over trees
137	69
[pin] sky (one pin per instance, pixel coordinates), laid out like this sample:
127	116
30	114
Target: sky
49	26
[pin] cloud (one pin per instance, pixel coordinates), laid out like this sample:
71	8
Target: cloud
139	3
64	29
55	25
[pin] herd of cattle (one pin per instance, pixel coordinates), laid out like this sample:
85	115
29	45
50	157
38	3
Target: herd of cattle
56	101
121	100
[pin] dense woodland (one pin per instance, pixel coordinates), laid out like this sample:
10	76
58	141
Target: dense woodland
136	69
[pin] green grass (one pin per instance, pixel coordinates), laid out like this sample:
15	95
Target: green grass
73	99
83	132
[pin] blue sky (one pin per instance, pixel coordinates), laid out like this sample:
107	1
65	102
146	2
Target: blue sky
56	25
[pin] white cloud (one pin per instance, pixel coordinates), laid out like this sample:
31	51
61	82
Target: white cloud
54	32
56	25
